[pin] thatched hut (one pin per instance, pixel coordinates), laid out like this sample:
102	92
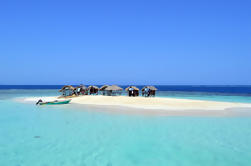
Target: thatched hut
102	89
67	90
132	91
112	90
93	90
148	91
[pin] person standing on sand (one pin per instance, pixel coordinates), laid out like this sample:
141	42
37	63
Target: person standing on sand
78	91
130	92
147	92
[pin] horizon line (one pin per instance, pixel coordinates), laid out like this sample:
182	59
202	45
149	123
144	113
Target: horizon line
129	84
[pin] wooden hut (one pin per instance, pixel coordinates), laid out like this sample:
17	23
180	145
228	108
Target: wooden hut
148	91
132	91
67	90
113	90
93	90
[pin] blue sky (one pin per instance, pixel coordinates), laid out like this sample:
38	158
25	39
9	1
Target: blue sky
126	42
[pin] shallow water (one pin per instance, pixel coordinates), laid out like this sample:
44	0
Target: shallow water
63	136
208	96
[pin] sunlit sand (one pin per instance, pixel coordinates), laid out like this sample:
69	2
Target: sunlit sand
156	105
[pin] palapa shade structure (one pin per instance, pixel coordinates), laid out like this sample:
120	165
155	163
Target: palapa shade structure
149	87
132	91
113	88
134	87
102	88
67	90
151	92
93	90
153	88
66	87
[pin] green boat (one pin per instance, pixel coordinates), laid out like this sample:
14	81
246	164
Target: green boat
55	102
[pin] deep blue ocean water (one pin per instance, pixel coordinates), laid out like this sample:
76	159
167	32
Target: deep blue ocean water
65	136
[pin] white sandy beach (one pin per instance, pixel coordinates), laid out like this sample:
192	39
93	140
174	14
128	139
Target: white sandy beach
156	105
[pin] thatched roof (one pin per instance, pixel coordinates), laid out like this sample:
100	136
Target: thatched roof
95	87
144	88
150	87
153	88
66	87
103	87
113	88
134	87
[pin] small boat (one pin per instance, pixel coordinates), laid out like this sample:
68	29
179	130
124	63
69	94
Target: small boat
55	102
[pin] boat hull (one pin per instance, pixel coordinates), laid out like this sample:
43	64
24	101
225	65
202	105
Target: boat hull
55	102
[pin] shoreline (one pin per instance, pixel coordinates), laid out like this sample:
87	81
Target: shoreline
154	106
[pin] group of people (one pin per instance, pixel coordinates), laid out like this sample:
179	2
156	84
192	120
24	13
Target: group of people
147	92
85	91
132	92
81	91
93	91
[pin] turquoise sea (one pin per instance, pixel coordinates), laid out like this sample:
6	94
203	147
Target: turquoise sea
64	136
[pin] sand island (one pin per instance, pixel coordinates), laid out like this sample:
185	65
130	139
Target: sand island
157	105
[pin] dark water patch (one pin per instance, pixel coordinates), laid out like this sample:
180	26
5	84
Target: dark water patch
37	136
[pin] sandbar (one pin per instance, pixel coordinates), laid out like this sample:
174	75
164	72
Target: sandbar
156	105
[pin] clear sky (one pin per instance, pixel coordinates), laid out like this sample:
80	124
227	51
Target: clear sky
125	42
